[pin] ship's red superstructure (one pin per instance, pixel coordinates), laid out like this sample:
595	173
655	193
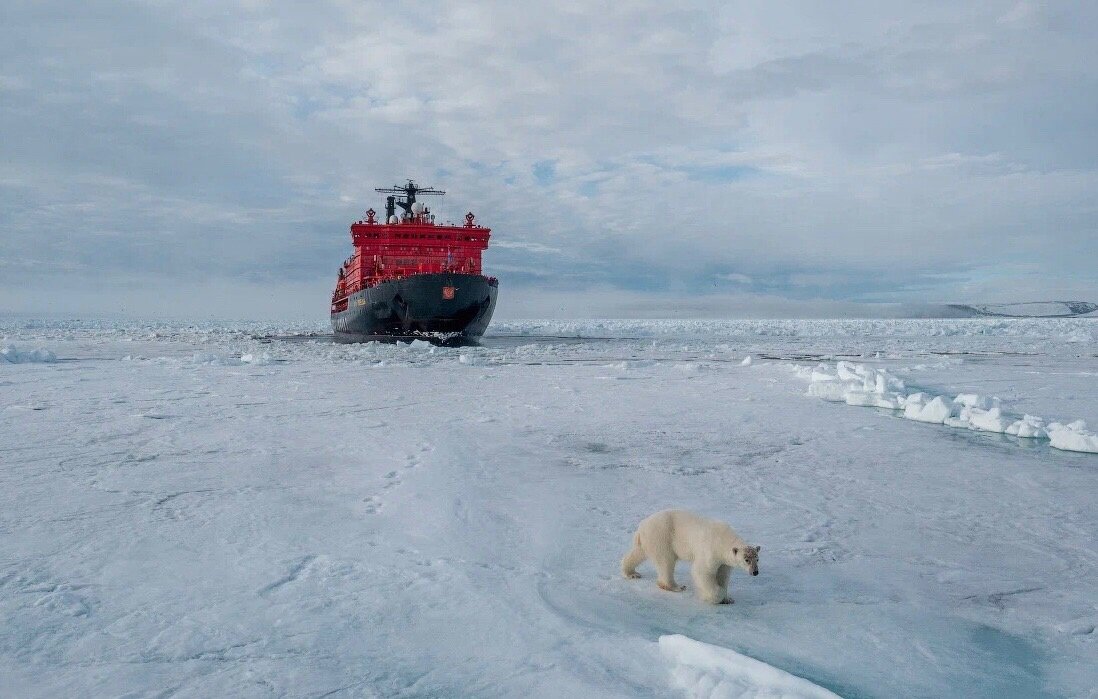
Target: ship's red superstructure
406	246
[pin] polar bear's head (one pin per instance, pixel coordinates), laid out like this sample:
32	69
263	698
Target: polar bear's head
747	557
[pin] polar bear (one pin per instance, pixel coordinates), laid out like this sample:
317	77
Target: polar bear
711	547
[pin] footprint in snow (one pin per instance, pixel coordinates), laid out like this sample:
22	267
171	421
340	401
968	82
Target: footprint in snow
373	505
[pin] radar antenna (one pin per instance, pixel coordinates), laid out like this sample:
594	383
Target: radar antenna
409	191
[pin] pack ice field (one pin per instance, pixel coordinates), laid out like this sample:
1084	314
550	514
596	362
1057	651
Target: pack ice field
205	509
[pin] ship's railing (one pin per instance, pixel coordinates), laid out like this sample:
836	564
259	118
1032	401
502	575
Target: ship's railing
457	235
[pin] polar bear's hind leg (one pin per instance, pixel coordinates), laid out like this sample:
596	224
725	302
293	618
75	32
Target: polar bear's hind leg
665	572
633	559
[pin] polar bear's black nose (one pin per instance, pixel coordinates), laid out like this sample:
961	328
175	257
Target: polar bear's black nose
755	572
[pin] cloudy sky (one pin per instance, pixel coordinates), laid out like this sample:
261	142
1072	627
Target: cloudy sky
205	158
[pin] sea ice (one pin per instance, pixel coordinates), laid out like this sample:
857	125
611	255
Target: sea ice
828	390
704	671
347	518
936	410
260	359
860	385
973	400
990	420
12	354
1073	436
1029	427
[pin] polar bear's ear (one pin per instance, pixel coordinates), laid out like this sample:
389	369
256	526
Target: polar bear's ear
758	548
735	552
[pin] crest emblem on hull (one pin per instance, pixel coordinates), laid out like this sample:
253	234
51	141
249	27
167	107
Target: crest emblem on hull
448	292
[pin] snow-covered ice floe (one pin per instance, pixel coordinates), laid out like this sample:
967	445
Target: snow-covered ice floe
861	385
705	671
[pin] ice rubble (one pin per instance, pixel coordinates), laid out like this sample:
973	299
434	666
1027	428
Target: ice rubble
858	384
11	354
224	360
704	670
1073	436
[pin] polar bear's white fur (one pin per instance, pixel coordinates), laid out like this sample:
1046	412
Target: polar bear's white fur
711	547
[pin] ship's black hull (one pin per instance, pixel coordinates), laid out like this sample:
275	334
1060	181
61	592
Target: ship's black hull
418	306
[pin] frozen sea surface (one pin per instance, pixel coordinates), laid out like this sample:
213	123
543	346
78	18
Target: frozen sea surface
206	510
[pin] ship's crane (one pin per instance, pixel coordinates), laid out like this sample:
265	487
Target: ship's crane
409	191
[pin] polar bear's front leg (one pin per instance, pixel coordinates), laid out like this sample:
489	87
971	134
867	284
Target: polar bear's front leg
706	578
723	573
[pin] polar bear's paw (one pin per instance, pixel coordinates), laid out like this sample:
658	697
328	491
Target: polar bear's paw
727	600
633	576
671	588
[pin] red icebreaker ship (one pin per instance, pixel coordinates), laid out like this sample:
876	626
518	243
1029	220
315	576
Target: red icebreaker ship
411	277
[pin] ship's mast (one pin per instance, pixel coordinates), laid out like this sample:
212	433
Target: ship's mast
409	191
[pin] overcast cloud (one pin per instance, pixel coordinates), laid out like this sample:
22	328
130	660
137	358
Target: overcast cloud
207	157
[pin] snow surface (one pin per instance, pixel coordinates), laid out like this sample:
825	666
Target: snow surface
251	510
